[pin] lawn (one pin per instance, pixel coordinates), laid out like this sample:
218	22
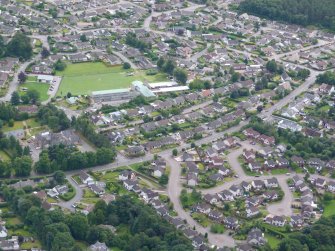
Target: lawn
29	245
4	156
42	89
272	240
83	78
329	209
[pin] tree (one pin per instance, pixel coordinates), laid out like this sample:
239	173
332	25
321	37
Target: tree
45	52
2	47
271	66
83	38
164	179
180	75
33	95
19	46
22	166
60	65
22	77
15	98
175	152
78	225
169	66
126	66
43	165
235	77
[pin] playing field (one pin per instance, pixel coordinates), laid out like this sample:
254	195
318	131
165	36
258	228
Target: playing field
32	84
83	78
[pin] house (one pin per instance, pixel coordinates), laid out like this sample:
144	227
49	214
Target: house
85	178
236	190
326	89
158	171
177	222
10	244
257	184
251	133
162	211
202	208
270	195
316	163
224	171
135	151
296	221
246	186
215	215
253	201
192	179
3	232
98	246
148	195
282	162
278	221
297	180
226	195
97	189
231	222
230	142
45	78
255	166
244	247
267	140
211	198
298	160
331	186
129	184
127	175
320	183
256	237
270	164
271	183
198	241
249	155
252	211
58	190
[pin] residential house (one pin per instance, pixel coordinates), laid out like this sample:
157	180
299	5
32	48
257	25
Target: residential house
231	222
257	184
256	237
85	178
252	211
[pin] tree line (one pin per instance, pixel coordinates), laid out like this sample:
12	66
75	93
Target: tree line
57	231
65	158
302	12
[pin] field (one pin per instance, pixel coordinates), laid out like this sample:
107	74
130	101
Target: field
32	84
83	78
329	209
272	240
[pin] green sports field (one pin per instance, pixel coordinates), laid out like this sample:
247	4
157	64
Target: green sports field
83	78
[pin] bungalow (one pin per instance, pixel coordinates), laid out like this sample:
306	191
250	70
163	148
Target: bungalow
253	201
217	161
177	222
216	177
278	221
224	171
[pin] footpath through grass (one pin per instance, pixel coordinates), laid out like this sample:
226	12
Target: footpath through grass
83	78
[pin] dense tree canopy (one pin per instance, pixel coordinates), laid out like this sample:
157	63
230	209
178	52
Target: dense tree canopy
302	12
19	46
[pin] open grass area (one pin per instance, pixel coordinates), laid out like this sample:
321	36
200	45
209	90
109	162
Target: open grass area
32	84
30	123
83	78
329	209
